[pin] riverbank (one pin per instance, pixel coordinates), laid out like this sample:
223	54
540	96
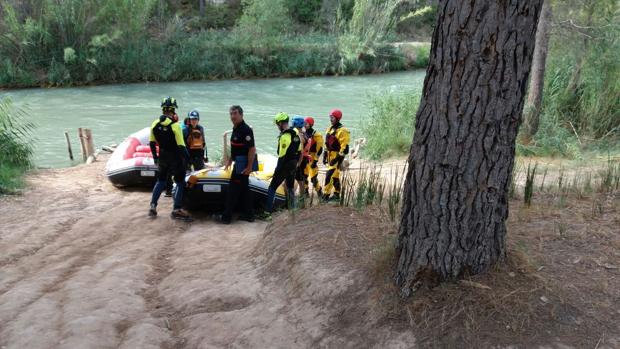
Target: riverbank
209	55
83	265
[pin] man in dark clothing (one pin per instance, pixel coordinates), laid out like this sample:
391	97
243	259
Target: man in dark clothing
242	150
194	135
166	133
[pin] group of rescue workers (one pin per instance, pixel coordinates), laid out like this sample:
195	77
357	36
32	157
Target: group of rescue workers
177	148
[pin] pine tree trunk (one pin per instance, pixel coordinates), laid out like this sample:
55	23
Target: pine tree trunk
537	81
202	8
456	191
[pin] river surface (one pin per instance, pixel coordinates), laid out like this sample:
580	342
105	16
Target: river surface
115	111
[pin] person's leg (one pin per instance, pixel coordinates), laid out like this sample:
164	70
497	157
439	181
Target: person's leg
279	176
232	197
290	185
247	199
336	183
160	185
331	169
168	185
314	177
179	179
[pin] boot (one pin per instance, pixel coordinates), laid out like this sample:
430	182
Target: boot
181	215
153	210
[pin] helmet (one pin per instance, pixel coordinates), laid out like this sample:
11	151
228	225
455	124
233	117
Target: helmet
280	117
336	113
298	121
310	121
193	114
169	102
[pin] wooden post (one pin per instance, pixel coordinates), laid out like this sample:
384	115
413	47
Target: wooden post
88	140
82	144
69	145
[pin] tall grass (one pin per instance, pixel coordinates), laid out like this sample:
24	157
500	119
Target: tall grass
389	125
581	101
371	186
15	146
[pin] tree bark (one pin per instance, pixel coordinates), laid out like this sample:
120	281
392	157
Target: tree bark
537	81
455	199
202	8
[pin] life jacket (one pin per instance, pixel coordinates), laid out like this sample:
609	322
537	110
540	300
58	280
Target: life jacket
331	140
292	152
195	140
313	140
164	135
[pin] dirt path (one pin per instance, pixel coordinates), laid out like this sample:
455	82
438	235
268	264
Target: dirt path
81	266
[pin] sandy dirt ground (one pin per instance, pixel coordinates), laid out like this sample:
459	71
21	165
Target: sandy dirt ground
82	266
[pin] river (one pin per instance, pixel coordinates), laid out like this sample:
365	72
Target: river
115	111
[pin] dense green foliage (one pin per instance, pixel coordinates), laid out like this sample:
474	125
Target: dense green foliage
581	97
15	146
74	42
581	103
389	125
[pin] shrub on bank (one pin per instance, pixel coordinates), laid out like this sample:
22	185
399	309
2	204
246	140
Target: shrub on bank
15	146
204	56
389	126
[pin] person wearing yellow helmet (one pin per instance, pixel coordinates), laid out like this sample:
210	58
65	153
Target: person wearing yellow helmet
171	159
289	156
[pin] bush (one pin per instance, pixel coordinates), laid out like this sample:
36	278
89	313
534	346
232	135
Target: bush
389	125
551	140
15	148
304	11
264	18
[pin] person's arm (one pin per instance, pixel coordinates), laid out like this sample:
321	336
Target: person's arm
283	144
319	144
178	137
204	143
251	156
153	144
343	139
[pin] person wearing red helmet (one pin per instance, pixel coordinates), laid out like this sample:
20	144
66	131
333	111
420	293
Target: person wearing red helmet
337	144
312	151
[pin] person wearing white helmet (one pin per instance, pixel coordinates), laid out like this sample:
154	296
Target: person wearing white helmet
194	135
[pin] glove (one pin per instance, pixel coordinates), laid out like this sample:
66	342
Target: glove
336	160
206	159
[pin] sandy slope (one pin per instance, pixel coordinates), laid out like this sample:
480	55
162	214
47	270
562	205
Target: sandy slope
81	266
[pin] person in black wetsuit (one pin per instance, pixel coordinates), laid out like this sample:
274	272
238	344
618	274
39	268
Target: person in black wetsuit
171	160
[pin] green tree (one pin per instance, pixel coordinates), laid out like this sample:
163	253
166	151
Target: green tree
264	18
